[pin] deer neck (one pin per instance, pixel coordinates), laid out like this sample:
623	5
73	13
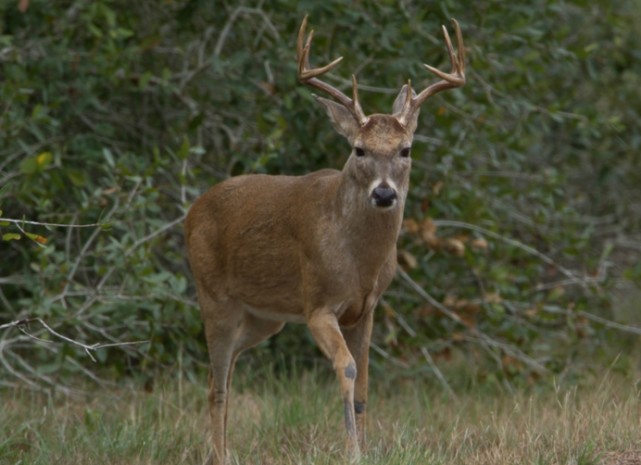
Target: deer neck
370	232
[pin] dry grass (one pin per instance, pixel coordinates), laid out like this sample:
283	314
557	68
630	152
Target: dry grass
299	422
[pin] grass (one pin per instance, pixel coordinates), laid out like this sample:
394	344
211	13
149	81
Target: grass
278	421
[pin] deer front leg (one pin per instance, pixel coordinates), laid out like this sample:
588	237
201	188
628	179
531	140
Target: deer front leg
327	334
358	340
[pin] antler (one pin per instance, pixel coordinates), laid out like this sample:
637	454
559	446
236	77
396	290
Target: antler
448	80
308	75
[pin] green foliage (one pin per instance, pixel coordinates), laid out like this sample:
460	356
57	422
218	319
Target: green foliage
523	211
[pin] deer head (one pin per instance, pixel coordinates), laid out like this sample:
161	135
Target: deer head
380	161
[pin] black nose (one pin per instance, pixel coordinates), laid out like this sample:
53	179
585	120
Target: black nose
383	196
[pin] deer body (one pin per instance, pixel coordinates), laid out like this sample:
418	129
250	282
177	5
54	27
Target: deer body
279	266
318	249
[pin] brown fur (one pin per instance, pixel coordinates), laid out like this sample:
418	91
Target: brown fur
318	249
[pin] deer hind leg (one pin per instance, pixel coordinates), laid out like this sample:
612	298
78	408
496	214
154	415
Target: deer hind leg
226	339
358	340
221	334
327	334
253	331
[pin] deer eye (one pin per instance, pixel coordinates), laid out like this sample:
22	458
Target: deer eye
405	152
359	152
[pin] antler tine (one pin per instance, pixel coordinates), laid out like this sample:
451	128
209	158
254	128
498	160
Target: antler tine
303	66
309	76
458	63
451	80
460	46
408	95
448	44
358	111
300	49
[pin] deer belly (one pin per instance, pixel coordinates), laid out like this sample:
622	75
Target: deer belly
269	314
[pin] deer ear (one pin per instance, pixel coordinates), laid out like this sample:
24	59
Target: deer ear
399	103
341	118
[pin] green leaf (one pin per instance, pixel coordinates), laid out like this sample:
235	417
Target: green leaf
144	79
121	33
29	166
11	237
37	111
44	159
4	189
77	177
37	238
36	163
109	158
96	32
183	151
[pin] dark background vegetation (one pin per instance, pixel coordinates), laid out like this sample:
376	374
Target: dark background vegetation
520	252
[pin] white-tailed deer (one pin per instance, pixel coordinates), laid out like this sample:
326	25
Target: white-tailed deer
318	249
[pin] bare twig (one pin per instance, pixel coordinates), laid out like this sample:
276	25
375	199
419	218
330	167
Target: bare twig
18	375
610	324
431	300
137	244
475	332
82	254
51	225
518	244
88	348
508	349
437	372
402	322
629	244
590	316
386	355
222	38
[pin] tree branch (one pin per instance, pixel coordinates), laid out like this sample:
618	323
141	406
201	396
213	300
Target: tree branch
51	225
88	348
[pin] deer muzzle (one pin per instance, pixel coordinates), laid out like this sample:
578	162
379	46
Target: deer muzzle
383	196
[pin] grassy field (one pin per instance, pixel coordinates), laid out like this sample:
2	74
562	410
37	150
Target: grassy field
299	422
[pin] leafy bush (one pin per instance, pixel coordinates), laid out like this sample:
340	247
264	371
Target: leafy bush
523	214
